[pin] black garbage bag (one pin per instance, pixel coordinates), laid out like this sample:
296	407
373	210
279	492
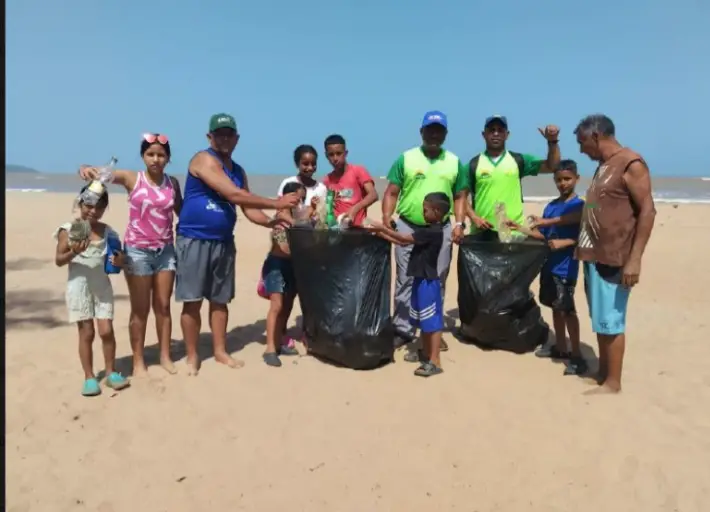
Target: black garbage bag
496	307
344	281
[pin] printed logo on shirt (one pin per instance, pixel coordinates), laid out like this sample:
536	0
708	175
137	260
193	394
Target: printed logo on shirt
346	193
419	175
213	207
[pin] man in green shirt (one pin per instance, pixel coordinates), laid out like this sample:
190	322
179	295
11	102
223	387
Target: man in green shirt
417	172
496	176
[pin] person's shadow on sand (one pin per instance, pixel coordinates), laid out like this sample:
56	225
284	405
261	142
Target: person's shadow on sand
237	338
587	351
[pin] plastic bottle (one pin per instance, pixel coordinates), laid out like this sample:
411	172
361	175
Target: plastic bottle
330	216
106	172
105	176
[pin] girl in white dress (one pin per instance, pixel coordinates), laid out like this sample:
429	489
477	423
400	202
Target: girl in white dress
89	294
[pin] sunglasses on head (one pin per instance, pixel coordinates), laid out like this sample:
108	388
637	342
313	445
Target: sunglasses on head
152	138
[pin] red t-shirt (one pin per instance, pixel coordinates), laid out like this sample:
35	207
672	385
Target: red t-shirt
349	190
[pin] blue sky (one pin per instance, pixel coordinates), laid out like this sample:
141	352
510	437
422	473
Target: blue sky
85	78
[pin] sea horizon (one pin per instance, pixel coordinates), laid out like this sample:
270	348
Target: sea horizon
681	190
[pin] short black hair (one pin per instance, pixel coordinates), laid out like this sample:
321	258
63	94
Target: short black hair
438	200
103	200
568	165
302	150
334	139
293	186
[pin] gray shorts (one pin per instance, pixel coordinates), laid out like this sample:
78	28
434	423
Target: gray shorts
205	270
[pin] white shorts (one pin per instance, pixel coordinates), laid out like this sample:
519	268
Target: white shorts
89	295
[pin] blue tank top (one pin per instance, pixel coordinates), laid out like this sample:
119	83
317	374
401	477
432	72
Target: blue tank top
205	215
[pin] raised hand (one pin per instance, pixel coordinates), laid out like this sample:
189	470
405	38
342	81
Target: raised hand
550	132
88	173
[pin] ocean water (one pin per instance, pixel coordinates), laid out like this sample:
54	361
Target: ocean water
535	189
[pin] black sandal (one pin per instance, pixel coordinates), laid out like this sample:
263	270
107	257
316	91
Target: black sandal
272	359
428	369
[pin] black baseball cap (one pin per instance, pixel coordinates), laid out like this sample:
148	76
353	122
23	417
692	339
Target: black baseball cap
501	119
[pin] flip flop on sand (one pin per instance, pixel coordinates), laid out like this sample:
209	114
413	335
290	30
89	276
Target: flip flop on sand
428	369
272	359
285	350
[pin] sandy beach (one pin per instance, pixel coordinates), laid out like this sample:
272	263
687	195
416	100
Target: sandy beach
496	432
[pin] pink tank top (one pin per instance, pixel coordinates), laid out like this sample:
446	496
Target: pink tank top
150	214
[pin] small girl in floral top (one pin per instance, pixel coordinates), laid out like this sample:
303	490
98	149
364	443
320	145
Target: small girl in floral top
89	293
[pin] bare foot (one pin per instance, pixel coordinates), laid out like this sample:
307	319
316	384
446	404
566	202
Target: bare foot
139	370
193	367
168	366
228	360
604	389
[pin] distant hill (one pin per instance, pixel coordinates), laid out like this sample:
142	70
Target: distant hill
19	168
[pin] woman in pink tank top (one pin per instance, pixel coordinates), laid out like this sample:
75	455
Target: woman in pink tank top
153	199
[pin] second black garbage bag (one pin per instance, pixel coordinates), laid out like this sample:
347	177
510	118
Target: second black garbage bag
344	283
496	307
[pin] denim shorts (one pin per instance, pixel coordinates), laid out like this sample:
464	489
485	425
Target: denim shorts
278	276
147	262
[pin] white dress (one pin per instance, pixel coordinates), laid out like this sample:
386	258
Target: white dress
89	293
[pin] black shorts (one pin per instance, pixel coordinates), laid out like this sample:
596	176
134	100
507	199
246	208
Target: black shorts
557	292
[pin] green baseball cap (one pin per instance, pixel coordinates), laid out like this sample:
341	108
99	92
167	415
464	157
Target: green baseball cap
218	121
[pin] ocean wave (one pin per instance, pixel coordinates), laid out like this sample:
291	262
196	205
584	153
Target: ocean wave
657	198
25	190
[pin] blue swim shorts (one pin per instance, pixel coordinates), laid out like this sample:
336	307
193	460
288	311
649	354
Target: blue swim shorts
426	310
607	298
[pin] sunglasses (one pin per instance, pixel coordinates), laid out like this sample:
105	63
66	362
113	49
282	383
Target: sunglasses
152	138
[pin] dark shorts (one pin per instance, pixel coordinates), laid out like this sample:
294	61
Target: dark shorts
557	292
205	270
277	274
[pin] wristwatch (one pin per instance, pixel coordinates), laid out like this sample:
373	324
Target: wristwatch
462	225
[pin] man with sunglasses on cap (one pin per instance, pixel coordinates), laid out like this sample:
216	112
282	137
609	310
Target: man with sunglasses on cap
205	247
417	172
496	176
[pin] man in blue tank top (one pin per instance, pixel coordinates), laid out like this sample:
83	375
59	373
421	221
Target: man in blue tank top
206	253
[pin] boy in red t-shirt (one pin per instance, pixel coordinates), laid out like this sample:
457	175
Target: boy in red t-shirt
353	187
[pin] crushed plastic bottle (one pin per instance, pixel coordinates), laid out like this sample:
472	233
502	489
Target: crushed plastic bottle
504	231
79	231
321	216
97	187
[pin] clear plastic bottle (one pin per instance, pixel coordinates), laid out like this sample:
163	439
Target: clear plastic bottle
106	172
96	187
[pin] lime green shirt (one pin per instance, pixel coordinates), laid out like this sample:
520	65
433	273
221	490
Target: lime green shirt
499	180
416	175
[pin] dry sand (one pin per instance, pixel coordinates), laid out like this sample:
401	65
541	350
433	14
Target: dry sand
496	432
